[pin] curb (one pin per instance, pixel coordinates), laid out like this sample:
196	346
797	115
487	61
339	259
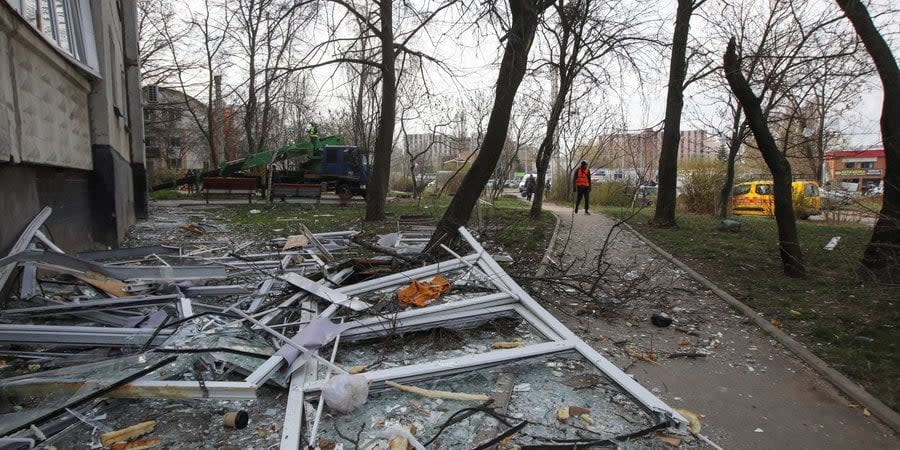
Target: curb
839	380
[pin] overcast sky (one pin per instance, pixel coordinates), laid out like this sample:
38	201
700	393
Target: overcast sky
473	54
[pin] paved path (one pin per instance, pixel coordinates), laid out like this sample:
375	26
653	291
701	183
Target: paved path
750	391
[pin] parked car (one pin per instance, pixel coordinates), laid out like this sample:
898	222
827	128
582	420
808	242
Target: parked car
835	198
522	182
756	198
874	190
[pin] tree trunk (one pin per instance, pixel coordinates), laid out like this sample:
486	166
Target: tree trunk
881	260
381	171
525	15
668	155
734	146
788	241
545	152
820	149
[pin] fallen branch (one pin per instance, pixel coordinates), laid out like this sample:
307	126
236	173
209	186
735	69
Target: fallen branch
379	249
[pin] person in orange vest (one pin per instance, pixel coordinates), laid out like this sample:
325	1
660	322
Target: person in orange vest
581	185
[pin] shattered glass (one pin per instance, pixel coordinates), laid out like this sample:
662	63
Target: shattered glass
536	388
29	398
435	344
194	337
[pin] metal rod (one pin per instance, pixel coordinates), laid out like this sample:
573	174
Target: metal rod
632	387
321	404
23	241
458	364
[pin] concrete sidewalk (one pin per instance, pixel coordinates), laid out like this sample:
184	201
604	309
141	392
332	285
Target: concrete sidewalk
750	391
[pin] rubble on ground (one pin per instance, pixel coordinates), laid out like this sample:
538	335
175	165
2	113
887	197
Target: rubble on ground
308	341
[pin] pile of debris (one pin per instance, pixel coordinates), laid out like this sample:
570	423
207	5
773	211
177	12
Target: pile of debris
179	347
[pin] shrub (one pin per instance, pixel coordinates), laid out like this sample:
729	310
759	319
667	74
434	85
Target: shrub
561	189
612	193
163	175
401	182
701	187
447	181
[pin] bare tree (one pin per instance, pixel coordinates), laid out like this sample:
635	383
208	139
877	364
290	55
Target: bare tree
580	35
520	33
363	93
788	240
211	26
393	40
784	50
524	126
158	28
882	257
414	107
578	127
179	52
264	36
668	157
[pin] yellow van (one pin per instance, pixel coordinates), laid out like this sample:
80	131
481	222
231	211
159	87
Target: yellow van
756	198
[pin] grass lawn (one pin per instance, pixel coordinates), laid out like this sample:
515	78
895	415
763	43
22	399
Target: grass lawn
849	324
505	222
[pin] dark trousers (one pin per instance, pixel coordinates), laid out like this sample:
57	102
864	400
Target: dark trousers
582	191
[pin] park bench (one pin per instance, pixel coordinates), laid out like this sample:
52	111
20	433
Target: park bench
300	190
229	186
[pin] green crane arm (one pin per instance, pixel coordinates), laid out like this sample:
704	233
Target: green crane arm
311	148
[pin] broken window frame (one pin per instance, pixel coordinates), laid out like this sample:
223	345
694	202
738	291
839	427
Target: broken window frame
561	340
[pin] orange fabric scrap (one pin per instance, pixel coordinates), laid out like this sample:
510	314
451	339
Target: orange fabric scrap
420	293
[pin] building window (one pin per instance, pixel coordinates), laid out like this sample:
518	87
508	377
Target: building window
867	165
153	94
66	24
173	158
849	165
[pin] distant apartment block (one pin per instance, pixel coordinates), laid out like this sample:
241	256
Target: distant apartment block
635	154
174	138
432	150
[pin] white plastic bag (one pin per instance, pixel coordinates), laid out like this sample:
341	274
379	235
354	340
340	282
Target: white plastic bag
344	393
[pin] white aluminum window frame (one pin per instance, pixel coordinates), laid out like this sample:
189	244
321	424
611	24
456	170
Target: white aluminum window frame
305	383
82	49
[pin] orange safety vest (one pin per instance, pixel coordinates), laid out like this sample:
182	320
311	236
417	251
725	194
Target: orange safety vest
581	178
